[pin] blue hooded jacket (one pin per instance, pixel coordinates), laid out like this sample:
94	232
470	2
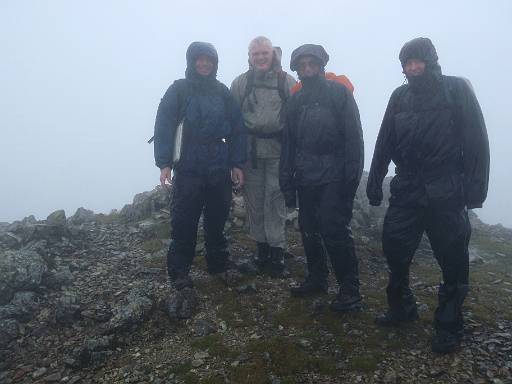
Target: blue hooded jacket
214	136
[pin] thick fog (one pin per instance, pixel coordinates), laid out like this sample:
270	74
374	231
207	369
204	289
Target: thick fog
81	81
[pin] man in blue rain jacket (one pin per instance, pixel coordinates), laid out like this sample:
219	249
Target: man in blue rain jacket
213	151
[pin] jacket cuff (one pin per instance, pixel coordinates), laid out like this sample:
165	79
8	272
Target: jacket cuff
473	205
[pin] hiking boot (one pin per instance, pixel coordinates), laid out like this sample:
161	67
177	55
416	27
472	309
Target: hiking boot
395	318
182	303
444	341
262	256
309	287
276	268
345	302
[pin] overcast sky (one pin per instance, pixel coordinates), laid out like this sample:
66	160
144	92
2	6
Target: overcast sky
80	82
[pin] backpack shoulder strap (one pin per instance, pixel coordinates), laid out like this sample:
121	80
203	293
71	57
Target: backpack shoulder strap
281	85
248	86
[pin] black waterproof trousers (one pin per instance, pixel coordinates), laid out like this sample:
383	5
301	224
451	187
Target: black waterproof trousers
324	216
448	230
191	196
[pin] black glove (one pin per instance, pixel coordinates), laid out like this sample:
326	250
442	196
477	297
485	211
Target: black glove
375	203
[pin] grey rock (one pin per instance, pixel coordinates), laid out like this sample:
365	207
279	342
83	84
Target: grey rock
247	288
67	310
197	363
21	307
19	270
182	304
53	377
390	377
145	204
100	312
474	257
8	331
204	328
58	278
82	216
57	218
201	355
304	343
136	308
10	240
246	266
93	352
39	372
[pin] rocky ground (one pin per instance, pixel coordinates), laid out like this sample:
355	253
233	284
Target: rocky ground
82	300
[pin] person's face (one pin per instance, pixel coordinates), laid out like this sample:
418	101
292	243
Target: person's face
204	65
414	67
260	57
308	66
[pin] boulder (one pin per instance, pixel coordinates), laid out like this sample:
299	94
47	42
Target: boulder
20	270
82	216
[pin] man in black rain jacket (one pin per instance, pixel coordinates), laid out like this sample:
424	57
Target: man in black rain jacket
214	146
322	159
434	132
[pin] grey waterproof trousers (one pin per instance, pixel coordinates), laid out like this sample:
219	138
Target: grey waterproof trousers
265	203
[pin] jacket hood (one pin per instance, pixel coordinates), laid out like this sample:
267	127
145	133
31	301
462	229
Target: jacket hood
196	49
309	50
422	49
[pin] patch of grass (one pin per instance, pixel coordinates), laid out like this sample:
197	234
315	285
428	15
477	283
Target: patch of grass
181	369
367	363
111	218
288	359
162	231
294	314
213	379
254	372
215	346
191	378
486	243
151	246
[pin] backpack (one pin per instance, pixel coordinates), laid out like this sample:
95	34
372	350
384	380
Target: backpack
342	79
249	86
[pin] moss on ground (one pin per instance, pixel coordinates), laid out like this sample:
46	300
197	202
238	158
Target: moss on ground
215	346
286	358
152	245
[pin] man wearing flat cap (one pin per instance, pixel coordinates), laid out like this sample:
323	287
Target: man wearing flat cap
434	132
321	163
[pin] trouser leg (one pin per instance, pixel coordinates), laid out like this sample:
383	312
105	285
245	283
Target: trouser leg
187	201
449	232
402	233
335	211
310	232
254	197
274	206
217	203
